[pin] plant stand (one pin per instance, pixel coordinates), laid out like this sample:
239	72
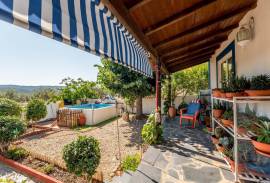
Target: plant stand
245	175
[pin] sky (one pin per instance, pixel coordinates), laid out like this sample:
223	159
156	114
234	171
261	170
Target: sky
27	58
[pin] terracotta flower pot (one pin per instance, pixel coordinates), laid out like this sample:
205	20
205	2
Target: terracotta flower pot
223	95
217	113
82	119
230	95
263	147
258	92
125	116
220	148
227	122
214	139
172	112
242	130
216	92
241	166
209	129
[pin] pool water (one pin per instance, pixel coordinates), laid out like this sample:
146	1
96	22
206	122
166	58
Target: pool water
89	106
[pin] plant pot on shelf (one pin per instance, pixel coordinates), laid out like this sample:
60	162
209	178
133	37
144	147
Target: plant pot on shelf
172	112
209	129
230	95
216	92
214	139
262	147
241	166
241	130
217	113
82	119
227	122
258	92
220	148
223	95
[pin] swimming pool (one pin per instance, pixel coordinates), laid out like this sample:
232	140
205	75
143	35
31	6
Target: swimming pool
96	113
89	106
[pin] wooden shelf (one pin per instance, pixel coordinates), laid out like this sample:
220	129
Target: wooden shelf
246	99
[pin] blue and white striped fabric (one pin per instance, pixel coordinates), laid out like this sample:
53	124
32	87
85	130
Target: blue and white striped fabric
85	24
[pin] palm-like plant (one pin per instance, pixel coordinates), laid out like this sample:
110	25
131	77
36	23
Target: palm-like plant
264	132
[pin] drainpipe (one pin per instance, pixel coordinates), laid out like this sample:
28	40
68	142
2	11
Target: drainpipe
158	92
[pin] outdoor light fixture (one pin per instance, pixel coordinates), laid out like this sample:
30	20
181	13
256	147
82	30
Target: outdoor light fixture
245	33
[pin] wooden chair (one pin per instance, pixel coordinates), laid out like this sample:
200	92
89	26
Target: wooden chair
191	113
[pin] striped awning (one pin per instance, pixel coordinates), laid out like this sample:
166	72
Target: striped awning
85	24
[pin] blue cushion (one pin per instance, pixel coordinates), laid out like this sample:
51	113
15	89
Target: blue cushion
193	108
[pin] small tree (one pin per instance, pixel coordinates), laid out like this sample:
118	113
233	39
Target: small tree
10	129
82	156
9	107
36	110
120	80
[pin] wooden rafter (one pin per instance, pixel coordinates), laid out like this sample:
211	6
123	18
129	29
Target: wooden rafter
210	35
192	52
177	17
206	54
120	11
139	4
187	65
212	22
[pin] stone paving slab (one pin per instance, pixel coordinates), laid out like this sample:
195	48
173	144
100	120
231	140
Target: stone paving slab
8	173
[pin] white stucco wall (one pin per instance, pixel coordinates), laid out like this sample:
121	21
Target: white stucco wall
254	58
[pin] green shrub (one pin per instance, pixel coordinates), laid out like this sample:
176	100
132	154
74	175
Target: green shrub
166	105
47	169
6	180
131	162
82	156
151	132
36	110
10	129
9	107
17	153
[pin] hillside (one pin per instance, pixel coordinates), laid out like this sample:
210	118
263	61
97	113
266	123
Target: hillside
24	89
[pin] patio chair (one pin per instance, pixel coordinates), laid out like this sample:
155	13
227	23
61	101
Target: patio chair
191	113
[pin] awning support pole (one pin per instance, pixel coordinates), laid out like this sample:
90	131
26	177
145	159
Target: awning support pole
158	91
170	90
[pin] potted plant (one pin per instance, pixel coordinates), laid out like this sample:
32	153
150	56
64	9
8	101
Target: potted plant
259	85
82	119
172	111
216	92
227	118
217	134
262	141
218	110
125	116
228	152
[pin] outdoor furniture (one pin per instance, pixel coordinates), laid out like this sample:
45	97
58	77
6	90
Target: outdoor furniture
191	113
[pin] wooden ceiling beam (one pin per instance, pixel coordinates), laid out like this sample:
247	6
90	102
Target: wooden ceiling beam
192	52
188	65
216	34
138	5
177	17
206	54
119	10
212	22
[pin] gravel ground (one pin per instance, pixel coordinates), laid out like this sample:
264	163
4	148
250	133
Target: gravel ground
52	143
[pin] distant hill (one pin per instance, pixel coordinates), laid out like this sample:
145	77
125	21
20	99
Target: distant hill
25	89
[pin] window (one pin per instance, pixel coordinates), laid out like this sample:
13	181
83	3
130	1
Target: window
225	64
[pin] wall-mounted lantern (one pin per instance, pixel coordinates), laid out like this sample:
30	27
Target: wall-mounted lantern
245	33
